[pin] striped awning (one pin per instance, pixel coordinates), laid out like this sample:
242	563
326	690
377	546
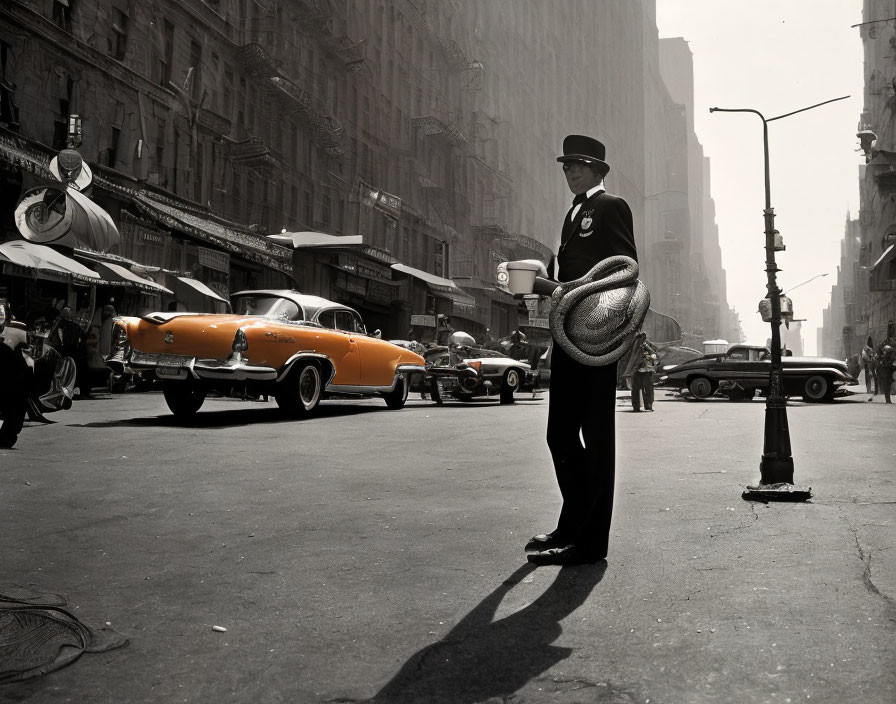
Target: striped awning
46	259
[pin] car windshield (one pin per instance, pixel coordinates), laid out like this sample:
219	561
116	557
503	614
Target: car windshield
267	306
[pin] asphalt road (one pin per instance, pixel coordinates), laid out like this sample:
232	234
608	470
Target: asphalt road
375	554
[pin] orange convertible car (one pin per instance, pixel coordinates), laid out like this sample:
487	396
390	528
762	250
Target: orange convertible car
295	347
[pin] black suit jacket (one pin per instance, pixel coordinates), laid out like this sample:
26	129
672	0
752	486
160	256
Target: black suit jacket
602	228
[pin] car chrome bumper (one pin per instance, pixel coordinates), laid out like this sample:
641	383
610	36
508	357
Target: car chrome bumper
179	367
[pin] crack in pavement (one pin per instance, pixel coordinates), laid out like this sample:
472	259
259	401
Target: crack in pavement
865	557
743	526
608	694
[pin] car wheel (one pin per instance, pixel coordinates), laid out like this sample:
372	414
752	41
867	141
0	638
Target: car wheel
300	391
184	398
396	398
701	387
509	384
435	391
818	389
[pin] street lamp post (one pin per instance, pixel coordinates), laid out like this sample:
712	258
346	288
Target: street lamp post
776	465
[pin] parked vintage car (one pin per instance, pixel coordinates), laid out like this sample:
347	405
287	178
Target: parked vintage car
295	347
464	372
743	369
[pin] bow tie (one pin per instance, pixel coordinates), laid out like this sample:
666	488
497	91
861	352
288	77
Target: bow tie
580	198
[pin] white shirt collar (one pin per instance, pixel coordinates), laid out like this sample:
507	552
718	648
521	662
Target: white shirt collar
589	193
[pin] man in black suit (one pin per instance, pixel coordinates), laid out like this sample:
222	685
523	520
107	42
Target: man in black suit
582	402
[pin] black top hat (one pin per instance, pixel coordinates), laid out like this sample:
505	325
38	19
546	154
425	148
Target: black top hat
577	147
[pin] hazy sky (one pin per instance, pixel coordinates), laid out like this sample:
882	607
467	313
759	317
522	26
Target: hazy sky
776	56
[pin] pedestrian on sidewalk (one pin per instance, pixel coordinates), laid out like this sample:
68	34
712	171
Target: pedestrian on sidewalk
885	362
582	402
645	364
869	364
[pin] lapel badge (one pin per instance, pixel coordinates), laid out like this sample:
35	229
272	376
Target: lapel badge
585	234
586	223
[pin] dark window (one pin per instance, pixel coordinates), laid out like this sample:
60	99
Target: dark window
196	65
167	54
113	146
60	126
62	13
9	113
160	153
345	321
198	191
119	39
237	192
327	319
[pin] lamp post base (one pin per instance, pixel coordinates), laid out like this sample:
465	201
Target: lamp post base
782	491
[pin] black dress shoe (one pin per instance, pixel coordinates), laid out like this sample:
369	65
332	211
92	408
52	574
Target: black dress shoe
569	555
544	541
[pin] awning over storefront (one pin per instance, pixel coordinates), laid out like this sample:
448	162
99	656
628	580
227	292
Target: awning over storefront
195	296
64	216
113	271
46	259
197	285
438	285
227	237
314	240
882	272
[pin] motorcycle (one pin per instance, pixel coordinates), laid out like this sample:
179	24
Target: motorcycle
55	375
35	368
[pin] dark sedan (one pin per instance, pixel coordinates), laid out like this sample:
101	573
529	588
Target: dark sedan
743	369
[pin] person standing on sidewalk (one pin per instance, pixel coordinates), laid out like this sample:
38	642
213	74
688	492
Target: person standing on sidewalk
885	363
582	401
869	364
646	361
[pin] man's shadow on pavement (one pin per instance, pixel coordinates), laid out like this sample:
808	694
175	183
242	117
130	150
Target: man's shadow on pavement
480	659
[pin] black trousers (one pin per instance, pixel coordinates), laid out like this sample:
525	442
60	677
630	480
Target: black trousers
884	379
582	440
642	387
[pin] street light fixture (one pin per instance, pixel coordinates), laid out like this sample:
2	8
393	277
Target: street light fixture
817	276
776	465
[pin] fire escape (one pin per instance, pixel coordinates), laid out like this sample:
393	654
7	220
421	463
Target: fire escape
256	154
471	71
298	98
470	75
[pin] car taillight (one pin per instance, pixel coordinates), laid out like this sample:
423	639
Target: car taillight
240	343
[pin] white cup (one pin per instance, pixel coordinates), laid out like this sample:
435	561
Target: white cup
521	275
